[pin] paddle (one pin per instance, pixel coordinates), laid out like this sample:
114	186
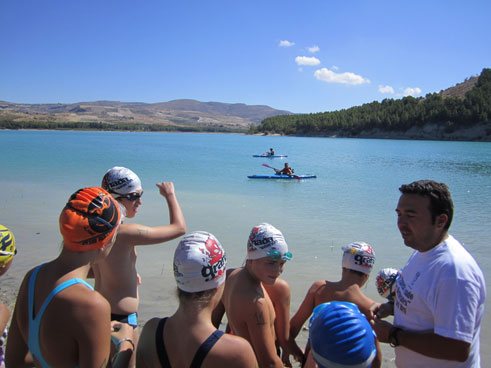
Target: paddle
276	170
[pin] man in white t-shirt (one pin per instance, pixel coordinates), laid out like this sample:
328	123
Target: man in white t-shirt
440	295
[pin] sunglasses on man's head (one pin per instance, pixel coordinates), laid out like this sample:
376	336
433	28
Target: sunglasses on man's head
131	196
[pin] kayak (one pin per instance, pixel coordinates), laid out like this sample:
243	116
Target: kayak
307	176
269	156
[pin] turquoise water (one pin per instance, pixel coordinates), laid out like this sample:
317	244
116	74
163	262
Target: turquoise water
353	197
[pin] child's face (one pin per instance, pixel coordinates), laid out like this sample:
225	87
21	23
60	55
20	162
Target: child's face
5	267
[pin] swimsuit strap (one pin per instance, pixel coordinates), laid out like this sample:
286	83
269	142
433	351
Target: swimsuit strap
205	348
59	288
30	297
159	342
35	321
198	357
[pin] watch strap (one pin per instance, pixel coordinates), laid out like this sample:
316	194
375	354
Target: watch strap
393	340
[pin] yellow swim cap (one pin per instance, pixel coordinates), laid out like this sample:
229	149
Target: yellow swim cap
7	245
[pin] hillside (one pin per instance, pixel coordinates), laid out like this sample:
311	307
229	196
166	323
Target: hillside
462	112
177	113
460	89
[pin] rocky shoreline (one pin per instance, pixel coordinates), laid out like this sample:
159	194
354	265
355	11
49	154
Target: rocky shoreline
477	133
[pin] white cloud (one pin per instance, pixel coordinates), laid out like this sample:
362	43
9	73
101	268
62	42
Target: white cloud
329	76
335	67
305	60
286	43
314	49
386	89
412	91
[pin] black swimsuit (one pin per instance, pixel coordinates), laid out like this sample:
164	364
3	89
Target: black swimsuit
198	357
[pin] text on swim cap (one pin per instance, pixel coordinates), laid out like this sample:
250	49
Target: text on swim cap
214	270
262	243
119	183
365	261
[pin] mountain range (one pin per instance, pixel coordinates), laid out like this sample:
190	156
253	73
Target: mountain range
176	113
173	113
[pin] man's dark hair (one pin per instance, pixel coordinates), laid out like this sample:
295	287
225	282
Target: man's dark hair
439	194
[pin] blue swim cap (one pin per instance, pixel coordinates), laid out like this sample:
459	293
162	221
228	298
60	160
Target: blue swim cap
341	336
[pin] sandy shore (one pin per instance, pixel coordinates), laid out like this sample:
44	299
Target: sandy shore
8	292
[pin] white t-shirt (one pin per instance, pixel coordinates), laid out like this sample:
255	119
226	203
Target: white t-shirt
441	290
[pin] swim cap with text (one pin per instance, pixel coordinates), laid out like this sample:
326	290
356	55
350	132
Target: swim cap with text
266	240
199	262
120	180
89	219
358	256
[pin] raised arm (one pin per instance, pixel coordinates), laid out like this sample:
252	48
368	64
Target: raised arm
136	234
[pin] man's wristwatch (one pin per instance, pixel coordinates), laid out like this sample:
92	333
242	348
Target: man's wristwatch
393	340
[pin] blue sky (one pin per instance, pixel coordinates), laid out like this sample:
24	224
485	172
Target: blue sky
301	56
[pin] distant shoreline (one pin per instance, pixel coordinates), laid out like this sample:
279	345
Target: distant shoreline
432	132
429	132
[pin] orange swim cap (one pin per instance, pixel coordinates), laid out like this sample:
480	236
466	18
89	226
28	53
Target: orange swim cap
89	219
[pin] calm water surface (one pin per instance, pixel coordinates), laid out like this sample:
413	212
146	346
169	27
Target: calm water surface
353	197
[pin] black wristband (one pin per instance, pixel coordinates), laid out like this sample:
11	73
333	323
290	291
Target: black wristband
393	340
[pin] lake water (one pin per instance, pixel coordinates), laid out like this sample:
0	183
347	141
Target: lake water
353	198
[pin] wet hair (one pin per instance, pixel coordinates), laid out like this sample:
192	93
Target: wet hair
439	195
202	297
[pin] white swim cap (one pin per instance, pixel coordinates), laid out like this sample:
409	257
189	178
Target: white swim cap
267	241
358	256
199	262
386	282
120	180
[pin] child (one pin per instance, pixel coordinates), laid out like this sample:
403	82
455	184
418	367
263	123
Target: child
59	320
250	311
358	261
7	253
188	338
116	277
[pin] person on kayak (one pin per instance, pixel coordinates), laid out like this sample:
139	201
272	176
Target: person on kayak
287	170
271	152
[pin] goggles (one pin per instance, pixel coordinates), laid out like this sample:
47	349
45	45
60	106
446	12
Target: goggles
130	196
5	253
276	256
